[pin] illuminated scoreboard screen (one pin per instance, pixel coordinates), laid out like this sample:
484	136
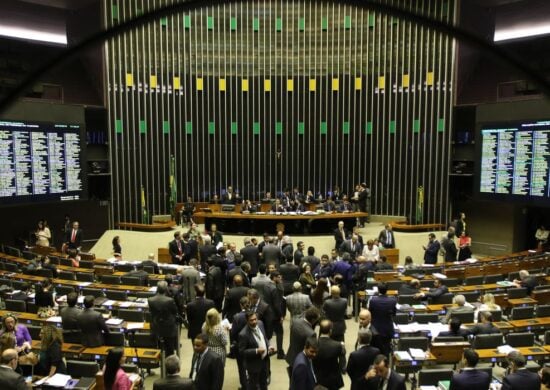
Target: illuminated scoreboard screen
40	161
515	160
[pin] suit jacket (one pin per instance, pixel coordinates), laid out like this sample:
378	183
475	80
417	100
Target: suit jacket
464	333
78	238
487	328
259	282
272	254
196	313
457	309
239	322
247	349
9	379
395	382
210	375
274	299
190	277
338	237
431	252
69	318
175	251
290	273
251	254
215	283
93	326
354	249
205	251
382	309
163	315
383	238
358	364
437	292
302	375
173	382
329	363
335	310
521	379
231	305
265	314
300	330
406	289
450	249
297	303
529	283
470	380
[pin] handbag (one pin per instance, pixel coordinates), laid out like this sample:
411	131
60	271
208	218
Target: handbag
28	359
46	312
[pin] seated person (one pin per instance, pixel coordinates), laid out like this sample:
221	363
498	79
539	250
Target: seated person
329	205
486	326
45	263
23	293
526	281
277	207
438	290
74	257
519	376
248	206
345	206
470	378
461	307
409	264
383	265
411	288
488	304
455	330
298	206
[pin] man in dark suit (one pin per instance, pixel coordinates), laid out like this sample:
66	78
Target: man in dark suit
335	309
173	380
262	309
255	350
240	268
9	379
196	312
290	274
175	247
274	298
470	378
431	250
438	290
231	304
519	377
92	324
250	254
387	237
361	359
207	366
383	265
238	324
382	309
411	288
205	251
382	377
69	314
164	323
330	362
526	281
73	237
364	203
351	246
455	330
300	330
449	246
340	235
23	293
303	376
215	283
486	326
298	253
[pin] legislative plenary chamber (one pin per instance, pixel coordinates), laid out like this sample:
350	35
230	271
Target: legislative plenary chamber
281	194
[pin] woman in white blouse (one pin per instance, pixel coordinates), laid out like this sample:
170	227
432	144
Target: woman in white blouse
371	251
487	305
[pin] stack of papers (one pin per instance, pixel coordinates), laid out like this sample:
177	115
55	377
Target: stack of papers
439	275
505	349
417	353
58	380
135	325
403	355
114	321
54	319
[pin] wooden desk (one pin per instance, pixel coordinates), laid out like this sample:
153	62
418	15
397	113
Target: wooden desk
541	296
392	255
67	349
540	323
144	355
253	223
386	276
504	326
449	353
429	360
530	353
521	302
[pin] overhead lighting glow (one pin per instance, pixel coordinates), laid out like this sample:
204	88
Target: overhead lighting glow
33	35
521	32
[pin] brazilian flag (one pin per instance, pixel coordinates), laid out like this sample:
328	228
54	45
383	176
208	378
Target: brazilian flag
144	213
173	190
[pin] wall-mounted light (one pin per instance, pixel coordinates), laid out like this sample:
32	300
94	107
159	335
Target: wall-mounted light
33	35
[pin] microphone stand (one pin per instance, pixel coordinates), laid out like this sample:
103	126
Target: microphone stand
132	339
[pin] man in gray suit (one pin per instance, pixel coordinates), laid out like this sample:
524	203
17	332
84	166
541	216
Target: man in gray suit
9	379
300	330
297	302
92	324
463	307
173	380
335	310
190	276
271	253
164	323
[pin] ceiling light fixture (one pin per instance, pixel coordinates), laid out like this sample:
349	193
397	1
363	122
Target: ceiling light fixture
33	35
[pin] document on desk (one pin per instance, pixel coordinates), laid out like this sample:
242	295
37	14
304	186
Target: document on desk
58	380
417	353
403	355
505	349
135	325
434	328
54	319
114	321
125	304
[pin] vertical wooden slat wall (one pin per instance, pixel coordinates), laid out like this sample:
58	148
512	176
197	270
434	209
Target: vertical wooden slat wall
275	94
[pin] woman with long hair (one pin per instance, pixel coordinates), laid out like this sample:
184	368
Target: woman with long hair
20	332
464	243
44	299
487	304
51	360
217	337
320	293
114	377
307	279
43	234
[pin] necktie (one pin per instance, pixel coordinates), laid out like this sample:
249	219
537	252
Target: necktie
312	371
389	238
179	246
260	340
73	238
381	384
197	365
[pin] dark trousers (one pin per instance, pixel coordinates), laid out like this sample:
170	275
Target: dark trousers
278	330
383	343
169	345
242	371
258	379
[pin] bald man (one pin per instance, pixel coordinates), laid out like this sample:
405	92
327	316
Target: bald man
364	323
232	299
335	309
9	379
